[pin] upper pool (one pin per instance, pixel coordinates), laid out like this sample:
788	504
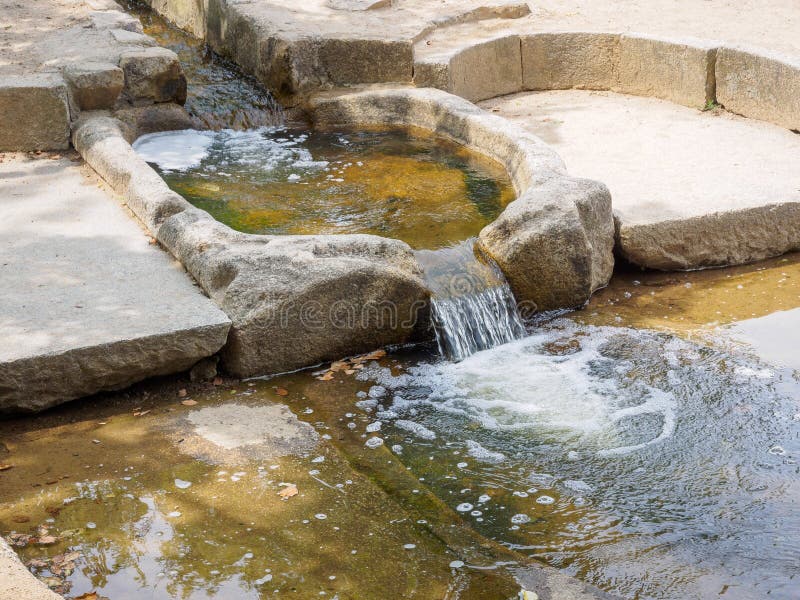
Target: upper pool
393	182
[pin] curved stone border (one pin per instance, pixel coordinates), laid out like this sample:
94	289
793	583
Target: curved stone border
554	243
689	72
296	301
747	81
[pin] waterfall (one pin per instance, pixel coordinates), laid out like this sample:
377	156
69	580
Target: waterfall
472	307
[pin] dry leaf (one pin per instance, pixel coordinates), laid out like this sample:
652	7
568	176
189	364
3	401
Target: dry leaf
182	393
288	492
375	355
5	467
141	413
327	377
189	402
87	596
46	540
339	365
282	391
349	371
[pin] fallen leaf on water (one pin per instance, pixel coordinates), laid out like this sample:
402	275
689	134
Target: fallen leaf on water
288	492
19	540
20	519
182	392
87	596
349	371
282	391
36	563
375	355
47	540
327	377
189	402
339	365
6	467
141	413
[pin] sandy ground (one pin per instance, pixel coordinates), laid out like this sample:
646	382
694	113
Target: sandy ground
661	160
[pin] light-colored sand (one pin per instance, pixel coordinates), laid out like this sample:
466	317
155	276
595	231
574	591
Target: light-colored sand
662	161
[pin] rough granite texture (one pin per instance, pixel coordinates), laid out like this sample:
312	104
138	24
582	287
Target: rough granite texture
673	210
294	300
16	582
58	58
88	303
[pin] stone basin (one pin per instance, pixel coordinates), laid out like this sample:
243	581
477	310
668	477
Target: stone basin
297	300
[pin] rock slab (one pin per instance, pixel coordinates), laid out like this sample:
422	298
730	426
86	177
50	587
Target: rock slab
88	303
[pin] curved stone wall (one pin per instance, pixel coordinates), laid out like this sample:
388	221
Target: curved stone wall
296	301
554	243
690	72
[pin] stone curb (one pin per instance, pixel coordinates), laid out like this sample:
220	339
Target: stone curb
255	279
17	582
686	71
554	243
747	81
36	109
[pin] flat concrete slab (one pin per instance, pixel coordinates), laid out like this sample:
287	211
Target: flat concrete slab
675	173
88	302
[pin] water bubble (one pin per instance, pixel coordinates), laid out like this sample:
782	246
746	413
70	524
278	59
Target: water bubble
462	465
520	519
545	500
409	546
373	443
91	525
476	513
377	391
181	484
265	579
174	514
456	564
520	494
464	507
318	459
397	449
483	498
321	516
777	450
374	427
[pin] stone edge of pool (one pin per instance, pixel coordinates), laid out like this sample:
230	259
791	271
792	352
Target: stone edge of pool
287	296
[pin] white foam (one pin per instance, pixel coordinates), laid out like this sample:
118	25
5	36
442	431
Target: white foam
524	385
175	150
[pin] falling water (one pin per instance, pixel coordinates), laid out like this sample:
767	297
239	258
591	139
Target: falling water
472	305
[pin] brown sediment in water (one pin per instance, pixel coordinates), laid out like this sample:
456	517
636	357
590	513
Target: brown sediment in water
403	183
107	481
696	301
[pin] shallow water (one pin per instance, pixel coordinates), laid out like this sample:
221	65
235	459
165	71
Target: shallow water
399	183
219	95
655	458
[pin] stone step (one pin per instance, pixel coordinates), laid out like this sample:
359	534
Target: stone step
690	189
88	304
